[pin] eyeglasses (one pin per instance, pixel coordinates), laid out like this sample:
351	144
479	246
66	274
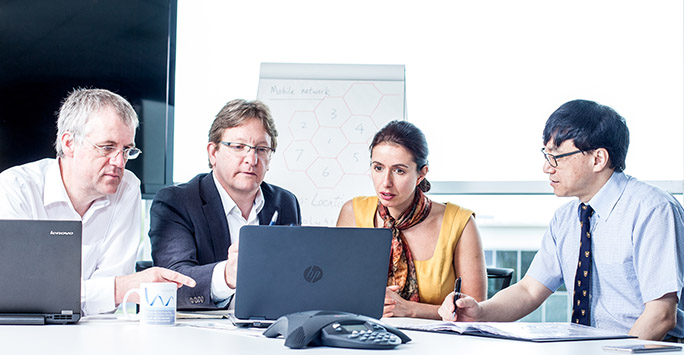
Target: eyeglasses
553	159
111	152
243	149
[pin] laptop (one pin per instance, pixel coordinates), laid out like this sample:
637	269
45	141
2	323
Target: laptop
40	273
287	269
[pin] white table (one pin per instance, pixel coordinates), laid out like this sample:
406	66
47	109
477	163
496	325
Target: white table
102	336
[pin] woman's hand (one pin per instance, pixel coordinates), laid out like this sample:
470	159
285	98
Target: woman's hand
395	306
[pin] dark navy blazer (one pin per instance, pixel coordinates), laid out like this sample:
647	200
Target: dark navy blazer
189	232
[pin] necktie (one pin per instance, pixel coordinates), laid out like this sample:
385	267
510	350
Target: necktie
581	305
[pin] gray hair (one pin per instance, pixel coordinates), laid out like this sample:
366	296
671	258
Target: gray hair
77	108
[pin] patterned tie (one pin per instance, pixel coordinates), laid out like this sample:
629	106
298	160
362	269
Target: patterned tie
581	305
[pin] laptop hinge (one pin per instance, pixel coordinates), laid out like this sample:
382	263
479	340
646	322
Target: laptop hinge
260	322
25	319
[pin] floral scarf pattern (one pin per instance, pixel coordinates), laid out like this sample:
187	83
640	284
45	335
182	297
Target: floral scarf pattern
402	271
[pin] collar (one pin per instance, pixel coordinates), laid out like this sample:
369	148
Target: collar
229	206
605	200
55	192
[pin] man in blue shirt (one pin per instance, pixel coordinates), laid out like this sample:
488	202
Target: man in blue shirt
621	237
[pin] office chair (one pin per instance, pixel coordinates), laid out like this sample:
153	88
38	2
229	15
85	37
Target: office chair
504	275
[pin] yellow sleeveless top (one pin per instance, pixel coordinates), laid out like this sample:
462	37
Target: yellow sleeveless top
436	275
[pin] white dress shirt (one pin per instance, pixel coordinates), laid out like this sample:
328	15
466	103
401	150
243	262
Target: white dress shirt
111	226
219	289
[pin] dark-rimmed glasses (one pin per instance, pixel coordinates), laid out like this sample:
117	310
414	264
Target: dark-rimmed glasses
242	149
553	159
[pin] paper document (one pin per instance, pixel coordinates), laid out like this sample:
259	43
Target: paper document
537	332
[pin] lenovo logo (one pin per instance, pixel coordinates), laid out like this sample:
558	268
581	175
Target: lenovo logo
61	233
313	273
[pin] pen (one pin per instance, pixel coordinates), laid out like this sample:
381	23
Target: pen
274	218
457	292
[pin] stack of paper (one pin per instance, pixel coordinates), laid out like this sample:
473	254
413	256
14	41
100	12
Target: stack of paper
538	332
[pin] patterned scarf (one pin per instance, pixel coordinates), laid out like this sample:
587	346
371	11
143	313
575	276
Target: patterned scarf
402	271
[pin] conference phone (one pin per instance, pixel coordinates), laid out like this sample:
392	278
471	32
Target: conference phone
338	329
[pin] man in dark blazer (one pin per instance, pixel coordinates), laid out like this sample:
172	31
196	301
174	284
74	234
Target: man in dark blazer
194	227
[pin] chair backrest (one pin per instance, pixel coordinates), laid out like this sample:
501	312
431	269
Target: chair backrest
504	275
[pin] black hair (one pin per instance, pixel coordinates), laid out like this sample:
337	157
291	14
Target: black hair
591	126
410	137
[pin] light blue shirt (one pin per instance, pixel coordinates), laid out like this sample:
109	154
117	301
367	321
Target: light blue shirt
637	247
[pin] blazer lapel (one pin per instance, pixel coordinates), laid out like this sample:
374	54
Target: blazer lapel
269	209
216	217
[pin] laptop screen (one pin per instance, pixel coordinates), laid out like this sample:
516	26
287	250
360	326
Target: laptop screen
286	269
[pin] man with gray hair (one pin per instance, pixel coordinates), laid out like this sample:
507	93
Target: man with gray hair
87	182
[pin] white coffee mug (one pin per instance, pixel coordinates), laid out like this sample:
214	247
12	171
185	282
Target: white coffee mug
157	303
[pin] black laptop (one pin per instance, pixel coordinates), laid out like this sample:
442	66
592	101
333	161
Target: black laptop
40	273
286	269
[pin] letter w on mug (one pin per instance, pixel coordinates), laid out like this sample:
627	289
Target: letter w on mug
157	303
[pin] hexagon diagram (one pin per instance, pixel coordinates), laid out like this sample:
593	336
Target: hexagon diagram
303	125
325	136
329	142
355	159
325	173
359	129
299	155
332	112
362	98
391	107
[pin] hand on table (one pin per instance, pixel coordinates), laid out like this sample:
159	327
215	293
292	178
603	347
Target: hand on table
468	309
154	274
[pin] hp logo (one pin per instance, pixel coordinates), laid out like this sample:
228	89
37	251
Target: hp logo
313	273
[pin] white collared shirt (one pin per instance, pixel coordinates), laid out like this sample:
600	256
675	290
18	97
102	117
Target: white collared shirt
111	226
219	289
